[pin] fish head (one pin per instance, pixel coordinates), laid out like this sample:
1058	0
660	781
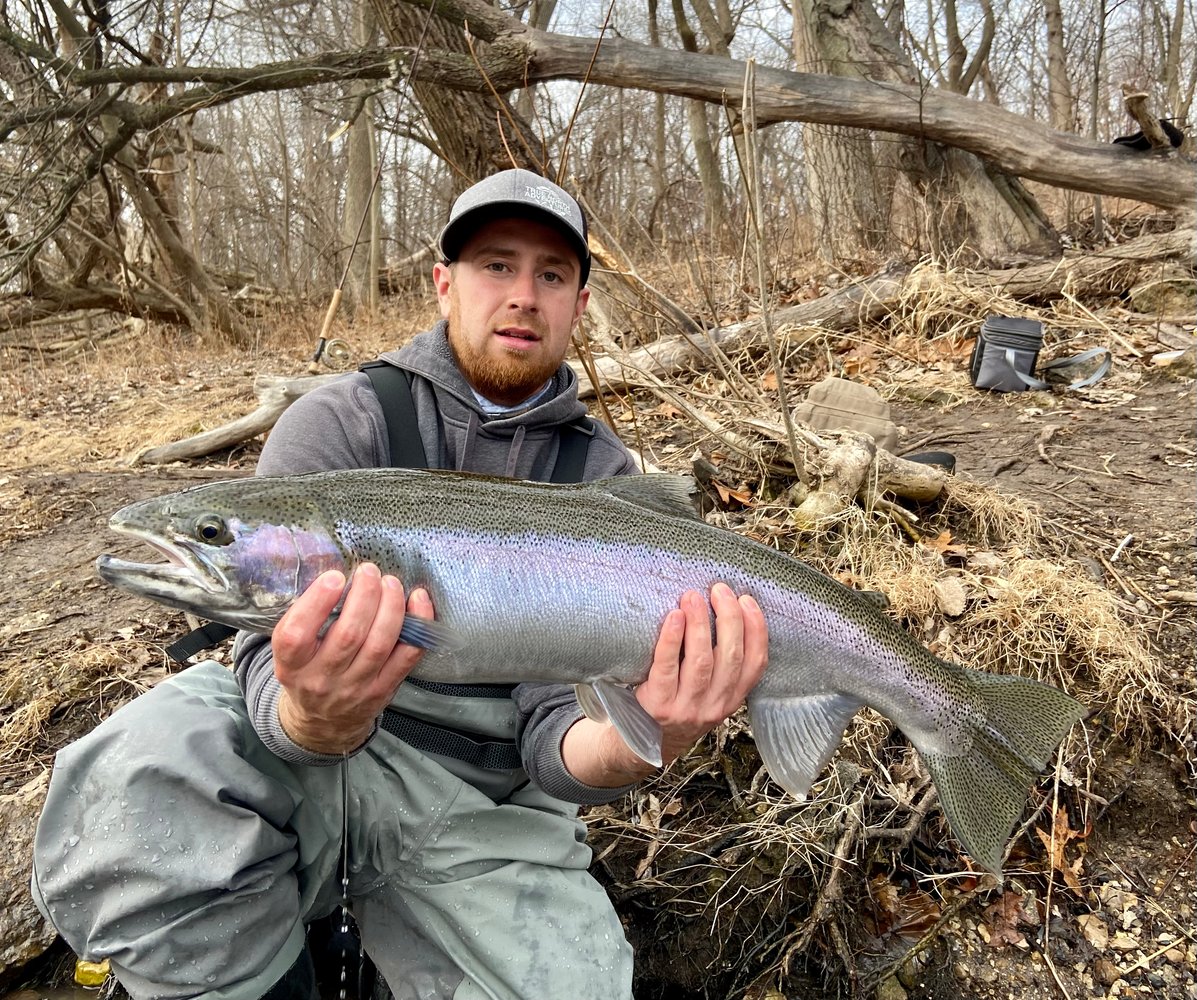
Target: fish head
237	552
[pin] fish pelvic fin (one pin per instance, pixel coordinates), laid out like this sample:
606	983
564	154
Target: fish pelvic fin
425	633
604	701
589	702
797	737
984	790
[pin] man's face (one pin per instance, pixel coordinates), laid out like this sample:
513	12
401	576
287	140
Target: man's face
512	301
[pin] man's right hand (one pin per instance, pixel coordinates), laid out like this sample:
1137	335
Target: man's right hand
336	685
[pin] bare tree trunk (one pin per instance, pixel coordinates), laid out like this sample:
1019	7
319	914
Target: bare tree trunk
1099	55
475	133
841	170
659	148
1059	91
705	157
1178	97
215	313
959	201
540	13
360	222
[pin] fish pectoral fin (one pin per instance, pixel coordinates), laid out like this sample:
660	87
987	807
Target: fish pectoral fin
639	730
425	633
797	736
590	703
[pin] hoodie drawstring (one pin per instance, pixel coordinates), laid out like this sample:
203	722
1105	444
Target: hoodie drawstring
513	455
467	445
513	452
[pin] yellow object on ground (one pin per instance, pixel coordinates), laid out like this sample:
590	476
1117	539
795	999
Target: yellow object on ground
91	973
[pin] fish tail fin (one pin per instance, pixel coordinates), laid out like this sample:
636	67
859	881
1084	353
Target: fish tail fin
984	790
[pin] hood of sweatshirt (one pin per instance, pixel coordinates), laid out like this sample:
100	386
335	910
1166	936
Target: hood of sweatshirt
465	424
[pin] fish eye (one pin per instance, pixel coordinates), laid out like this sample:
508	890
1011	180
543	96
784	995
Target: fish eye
211	528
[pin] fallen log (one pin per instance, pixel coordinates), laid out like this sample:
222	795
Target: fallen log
795	326
1111	269
274	394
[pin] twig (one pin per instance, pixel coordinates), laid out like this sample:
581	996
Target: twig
831	893
1051	967
752	183
1121	545
900	515
1145	961
905	834
1129	586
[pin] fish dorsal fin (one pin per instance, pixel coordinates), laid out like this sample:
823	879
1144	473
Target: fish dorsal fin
659	491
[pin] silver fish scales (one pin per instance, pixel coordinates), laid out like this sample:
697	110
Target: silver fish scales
570	584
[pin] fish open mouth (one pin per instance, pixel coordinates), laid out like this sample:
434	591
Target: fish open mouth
183	571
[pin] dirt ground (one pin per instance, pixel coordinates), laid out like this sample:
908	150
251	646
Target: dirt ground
1112	469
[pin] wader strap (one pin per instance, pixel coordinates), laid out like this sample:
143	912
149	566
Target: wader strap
463	690
427	737
196	641
571	452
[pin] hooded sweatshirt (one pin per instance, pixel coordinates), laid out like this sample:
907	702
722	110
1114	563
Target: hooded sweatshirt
342	426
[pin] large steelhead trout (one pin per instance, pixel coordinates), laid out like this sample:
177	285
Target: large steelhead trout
571	583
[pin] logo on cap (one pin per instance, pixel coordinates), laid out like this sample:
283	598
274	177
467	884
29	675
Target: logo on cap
549	200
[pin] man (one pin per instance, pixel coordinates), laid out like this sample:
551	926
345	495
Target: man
192	836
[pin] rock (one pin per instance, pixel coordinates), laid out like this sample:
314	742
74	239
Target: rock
1123	942
24	932
1094	930
891	989
1105	971
950	595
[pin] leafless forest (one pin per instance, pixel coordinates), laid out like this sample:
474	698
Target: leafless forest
181	161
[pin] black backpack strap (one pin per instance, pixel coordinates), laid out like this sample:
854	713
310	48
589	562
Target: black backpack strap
197	640
392	386
571	452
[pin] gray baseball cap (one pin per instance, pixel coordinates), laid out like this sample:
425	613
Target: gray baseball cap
518	193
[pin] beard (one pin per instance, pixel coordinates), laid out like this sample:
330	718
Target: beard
506	377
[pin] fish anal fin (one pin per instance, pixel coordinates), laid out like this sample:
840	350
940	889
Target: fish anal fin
798	736
639	730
